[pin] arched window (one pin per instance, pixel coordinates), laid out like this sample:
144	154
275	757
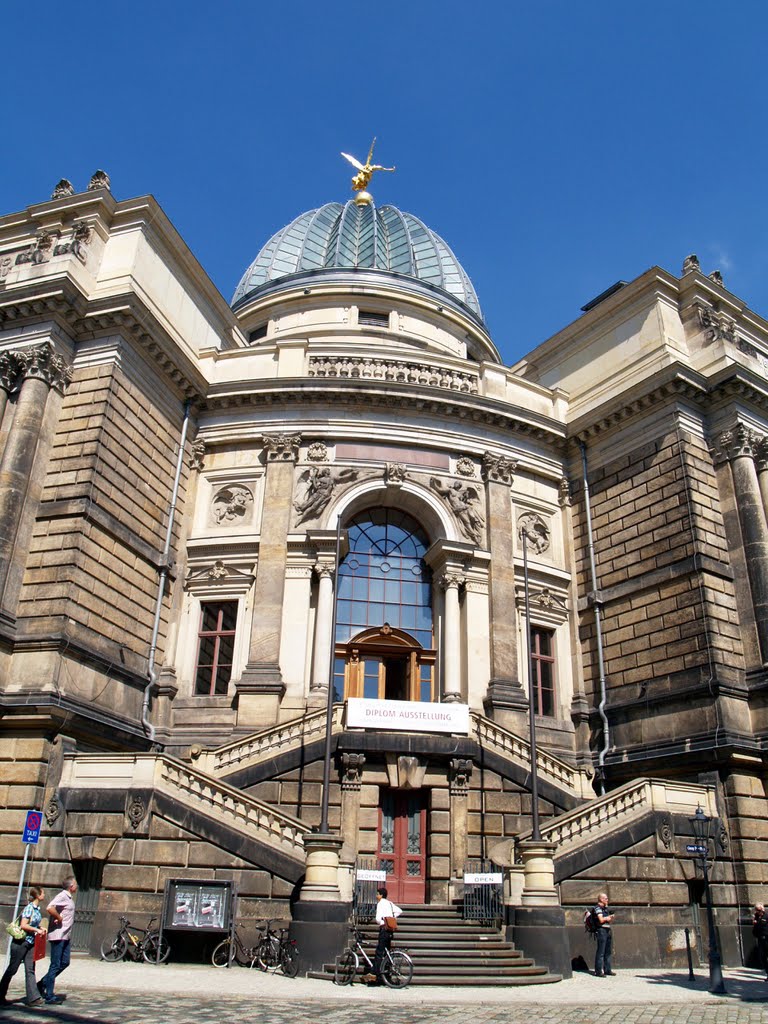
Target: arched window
384	637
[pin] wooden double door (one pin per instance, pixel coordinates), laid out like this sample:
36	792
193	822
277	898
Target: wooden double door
403	843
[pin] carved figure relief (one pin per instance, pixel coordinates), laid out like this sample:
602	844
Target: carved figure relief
498	468
317	484
535	531
197	454
464	501
5	266
231	505
459	774
78	242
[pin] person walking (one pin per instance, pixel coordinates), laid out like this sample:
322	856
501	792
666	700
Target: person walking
23	950
385	908
604	919
760	932
62	913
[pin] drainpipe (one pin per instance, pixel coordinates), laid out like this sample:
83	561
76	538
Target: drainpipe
597	604
163	575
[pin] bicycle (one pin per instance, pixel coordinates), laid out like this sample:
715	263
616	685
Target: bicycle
396	967
136	942
276	952
242	954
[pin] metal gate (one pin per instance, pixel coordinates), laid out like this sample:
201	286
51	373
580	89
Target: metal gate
88	874
483	893
370	873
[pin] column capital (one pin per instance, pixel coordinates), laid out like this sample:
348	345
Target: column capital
324	570
761	454
10	368
452	580
281	447
498	468
43	363
737	442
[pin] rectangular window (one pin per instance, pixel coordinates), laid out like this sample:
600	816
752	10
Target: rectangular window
215	647
543	666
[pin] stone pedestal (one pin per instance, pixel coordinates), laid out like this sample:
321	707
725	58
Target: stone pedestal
539	873
320	918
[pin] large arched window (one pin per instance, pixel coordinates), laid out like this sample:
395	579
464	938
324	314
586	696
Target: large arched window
384	638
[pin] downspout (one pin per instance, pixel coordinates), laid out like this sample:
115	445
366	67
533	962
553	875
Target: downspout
163	575
597	605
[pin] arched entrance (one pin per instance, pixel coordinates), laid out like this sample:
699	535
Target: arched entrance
384	632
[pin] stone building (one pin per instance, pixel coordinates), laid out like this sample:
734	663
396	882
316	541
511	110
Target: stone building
175	475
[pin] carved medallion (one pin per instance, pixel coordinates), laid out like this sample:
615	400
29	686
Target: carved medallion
231	505
535	531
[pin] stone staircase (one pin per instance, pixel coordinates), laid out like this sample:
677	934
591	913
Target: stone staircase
447	950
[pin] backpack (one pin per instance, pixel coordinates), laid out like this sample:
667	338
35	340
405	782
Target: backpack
591	923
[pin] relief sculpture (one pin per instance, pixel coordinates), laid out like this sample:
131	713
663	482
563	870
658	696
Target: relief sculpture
464	501
318	484
231	505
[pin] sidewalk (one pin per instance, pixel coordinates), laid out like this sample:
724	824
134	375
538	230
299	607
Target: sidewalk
627	988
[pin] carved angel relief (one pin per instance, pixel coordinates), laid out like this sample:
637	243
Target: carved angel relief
535	531
464	501
316	488
231	505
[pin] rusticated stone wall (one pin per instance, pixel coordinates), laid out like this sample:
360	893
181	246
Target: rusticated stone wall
671	630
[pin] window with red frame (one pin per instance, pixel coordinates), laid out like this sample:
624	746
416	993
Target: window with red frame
215	647
543	666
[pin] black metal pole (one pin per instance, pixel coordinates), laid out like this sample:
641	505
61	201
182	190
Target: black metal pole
329	704
535	833
691	975
716	984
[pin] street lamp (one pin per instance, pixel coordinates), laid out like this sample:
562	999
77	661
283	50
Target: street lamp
702	831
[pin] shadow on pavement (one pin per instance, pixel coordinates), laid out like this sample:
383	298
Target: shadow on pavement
740	983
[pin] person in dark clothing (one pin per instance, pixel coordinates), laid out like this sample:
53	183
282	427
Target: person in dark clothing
760	932
604	938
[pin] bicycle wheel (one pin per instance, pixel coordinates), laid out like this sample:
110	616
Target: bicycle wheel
149	949
268	954
220	955
289	960
113	950
397	969
346	967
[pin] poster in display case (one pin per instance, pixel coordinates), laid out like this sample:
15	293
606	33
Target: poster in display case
198	906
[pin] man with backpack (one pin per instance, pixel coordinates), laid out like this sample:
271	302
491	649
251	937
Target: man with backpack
602	920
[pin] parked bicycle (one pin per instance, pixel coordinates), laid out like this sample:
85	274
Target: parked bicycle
396	966
241	954
276	952
136	943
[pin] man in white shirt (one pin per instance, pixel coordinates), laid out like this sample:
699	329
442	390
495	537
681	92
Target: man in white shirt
62	913
384	908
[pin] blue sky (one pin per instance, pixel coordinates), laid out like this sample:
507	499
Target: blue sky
557	147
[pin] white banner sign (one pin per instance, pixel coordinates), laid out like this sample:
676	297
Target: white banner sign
488	879
368	875
408	716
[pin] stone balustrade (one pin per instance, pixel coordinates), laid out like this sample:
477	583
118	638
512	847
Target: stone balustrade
617	808
256	748
394	371
550	767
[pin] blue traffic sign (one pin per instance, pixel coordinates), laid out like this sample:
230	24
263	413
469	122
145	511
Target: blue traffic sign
695	848
32	827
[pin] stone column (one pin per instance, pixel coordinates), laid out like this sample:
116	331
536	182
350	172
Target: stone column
505	693
261	686
739	445
321	656
42	370
761	465
320	917
450	583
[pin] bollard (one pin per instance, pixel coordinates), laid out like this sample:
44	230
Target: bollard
691	976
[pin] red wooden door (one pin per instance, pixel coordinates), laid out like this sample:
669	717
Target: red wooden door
402	843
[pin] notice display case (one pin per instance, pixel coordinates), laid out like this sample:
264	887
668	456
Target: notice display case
196	906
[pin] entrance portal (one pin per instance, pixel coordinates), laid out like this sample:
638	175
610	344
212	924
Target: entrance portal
402	843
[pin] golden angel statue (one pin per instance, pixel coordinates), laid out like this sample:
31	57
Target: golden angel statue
365	171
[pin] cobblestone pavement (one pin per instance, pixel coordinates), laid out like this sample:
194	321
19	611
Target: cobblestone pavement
108	1007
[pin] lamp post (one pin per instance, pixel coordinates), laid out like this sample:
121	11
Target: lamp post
702	829
535	831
